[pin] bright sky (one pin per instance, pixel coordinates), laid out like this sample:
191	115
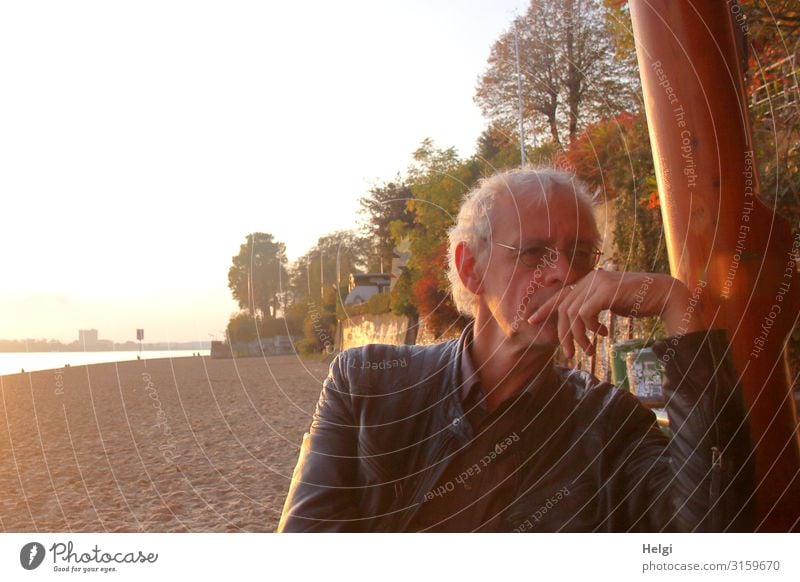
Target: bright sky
141	141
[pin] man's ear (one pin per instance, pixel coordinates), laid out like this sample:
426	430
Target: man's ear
466	265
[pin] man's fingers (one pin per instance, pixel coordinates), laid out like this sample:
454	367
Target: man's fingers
583	314
597	329
577	316
578	328
564	332
578	310
546	309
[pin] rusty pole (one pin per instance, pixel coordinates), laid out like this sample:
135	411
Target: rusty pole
731	250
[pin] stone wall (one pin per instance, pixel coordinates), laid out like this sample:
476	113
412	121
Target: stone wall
426	338
385	328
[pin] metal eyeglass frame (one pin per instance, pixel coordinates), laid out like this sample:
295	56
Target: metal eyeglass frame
597	254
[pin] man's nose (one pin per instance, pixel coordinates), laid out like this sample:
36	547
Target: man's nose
560	271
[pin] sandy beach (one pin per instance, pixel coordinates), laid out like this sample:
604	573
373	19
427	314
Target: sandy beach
187	444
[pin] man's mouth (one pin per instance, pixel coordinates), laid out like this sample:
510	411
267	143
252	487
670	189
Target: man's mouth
521	324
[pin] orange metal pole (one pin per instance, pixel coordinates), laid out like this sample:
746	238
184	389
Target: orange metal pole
730	249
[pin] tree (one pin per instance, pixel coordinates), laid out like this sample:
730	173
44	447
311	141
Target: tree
387	204
329	263
438	180
568	70
497	151
258	275
771	83
615	160
498	90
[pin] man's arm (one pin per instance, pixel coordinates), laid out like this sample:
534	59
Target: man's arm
702	478
322	496
623	293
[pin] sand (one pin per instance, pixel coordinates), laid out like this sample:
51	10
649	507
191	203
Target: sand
188	444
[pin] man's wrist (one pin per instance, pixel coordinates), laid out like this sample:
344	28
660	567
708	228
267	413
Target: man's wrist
683	315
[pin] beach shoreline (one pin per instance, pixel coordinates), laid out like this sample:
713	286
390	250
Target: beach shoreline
12	363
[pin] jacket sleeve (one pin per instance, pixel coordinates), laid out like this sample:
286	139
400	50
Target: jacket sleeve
322	495
700	479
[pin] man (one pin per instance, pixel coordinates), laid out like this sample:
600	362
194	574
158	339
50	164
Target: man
485	433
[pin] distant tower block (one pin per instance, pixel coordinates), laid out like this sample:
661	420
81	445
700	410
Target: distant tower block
87	338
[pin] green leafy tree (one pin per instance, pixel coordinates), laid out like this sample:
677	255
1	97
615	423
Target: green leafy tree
258	275
438	180
329	263
498	150
385	206
319	284
401	298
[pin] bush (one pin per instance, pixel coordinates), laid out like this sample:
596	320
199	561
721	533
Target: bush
295	316
400	298
319	328
307	346
242	327
378	304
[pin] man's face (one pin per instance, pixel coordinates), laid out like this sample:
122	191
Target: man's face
547	232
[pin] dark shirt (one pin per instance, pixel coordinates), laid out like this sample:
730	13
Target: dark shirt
482	479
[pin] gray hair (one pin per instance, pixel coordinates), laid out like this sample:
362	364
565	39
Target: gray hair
473	225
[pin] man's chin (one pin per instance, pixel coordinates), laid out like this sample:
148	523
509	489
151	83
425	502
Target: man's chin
543	334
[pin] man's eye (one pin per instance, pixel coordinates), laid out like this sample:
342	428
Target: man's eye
582	254
532	252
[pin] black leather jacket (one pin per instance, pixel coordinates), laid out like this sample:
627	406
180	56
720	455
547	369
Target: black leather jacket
389	418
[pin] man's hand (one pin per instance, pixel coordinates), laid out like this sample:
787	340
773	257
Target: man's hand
623	293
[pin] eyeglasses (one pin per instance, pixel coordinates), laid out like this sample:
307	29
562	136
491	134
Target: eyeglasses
582	257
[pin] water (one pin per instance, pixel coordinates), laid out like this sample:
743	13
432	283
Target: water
13	362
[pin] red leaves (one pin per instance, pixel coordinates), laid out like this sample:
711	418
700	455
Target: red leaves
431	297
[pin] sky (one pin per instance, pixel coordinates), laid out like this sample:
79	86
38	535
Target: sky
140	142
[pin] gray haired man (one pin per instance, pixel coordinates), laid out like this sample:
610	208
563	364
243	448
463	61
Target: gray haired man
486	433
